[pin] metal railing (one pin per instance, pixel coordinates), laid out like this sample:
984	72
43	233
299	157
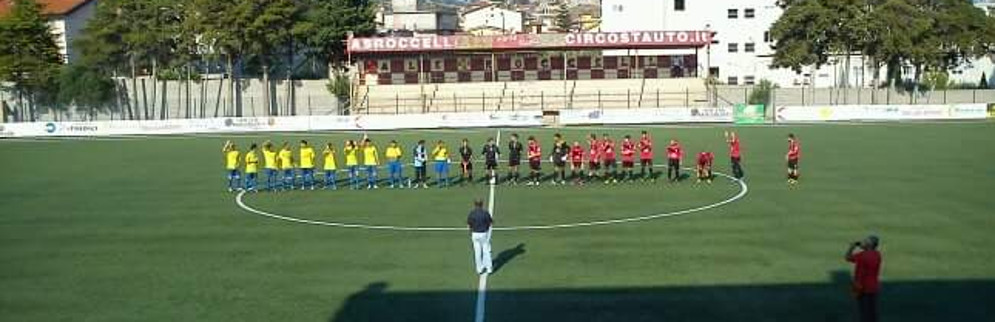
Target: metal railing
512	101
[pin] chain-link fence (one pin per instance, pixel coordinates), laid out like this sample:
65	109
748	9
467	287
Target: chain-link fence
731	95
144	99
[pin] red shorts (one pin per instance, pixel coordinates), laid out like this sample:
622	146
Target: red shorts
593	165
577	164
627	164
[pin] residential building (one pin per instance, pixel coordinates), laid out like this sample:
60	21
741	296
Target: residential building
67	19
492	18
742	49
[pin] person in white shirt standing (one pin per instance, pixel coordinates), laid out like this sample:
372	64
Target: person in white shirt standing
480	222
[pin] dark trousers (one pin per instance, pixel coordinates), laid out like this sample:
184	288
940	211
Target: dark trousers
867	304
737	169
420	174
674	169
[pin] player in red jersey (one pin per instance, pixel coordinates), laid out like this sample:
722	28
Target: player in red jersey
608	159
628	157
793	156
674	156
576	162
535	161
593	156
646	156
704	168
735	154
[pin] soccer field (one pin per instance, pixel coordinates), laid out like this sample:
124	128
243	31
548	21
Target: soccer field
143	229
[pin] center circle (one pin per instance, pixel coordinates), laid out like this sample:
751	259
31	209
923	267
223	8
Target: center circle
743	189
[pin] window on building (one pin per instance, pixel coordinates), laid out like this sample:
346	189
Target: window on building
732	80
733	47
733	13
678	5
749	47
714	72
748	80
767	36
748	13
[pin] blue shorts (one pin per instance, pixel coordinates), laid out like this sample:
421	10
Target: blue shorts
270	172
371	169
394	166
307	172
233	174
441	166
289	173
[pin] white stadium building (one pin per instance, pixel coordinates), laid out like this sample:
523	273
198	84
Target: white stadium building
741	51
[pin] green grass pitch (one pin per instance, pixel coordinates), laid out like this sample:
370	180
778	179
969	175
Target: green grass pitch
142	229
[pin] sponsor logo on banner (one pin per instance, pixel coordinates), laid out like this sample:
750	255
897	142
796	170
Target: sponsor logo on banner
710	112
72	128
647	116
4	132
604	40
250	122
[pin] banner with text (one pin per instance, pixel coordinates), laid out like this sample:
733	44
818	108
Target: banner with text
748	114
273	124
647	115
880	112
586	40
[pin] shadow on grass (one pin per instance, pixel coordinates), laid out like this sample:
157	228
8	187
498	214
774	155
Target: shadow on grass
507	255
909	301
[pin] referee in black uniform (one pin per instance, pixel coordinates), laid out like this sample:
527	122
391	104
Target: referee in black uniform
514	158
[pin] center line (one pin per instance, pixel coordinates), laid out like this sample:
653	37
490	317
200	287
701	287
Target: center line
482	282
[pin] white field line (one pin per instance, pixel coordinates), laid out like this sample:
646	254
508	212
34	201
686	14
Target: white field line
482	282
742	193
481	298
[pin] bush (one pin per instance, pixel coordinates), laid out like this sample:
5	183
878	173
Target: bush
340	87
762	92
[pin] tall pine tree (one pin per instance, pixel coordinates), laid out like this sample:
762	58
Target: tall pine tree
29	55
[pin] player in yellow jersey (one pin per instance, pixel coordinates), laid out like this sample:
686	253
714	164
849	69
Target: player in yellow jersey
230	153
330	167
440	154
393	154
251	168
307	165
352	162
371	159
269	156
286	159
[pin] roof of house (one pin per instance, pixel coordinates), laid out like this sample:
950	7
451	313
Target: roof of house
49	7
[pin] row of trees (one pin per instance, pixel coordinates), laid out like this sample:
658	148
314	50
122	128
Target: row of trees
176	40
930	36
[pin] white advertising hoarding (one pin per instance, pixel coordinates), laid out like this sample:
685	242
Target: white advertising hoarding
648	115
880	112
274	124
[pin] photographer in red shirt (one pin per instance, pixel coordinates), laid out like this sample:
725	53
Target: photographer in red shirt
867	268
